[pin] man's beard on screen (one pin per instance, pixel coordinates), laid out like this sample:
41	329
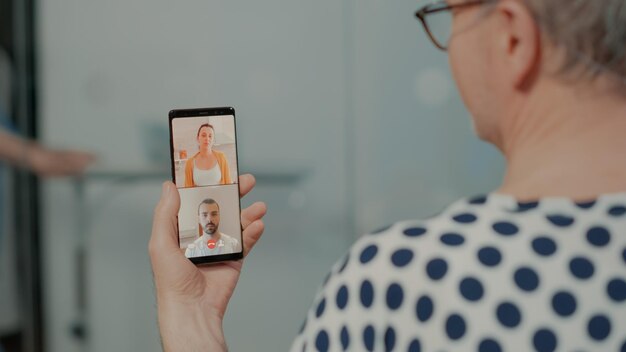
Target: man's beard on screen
210	230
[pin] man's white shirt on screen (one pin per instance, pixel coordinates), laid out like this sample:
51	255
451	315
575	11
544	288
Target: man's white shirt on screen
203	246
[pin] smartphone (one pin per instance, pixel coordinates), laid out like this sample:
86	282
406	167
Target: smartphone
203	147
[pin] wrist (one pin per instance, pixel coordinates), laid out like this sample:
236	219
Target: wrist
25	160
32	157
189	327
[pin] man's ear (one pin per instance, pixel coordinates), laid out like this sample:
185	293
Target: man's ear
518	42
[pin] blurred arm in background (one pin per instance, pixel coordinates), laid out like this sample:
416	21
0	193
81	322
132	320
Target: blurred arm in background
44	162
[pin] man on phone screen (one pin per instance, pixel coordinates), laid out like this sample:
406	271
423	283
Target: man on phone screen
211	240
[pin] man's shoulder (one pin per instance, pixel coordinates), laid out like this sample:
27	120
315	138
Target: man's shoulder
197	240
229	238
189	162
219	154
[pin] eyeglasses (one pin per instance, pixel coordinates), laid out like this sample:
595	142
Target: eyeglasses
437	20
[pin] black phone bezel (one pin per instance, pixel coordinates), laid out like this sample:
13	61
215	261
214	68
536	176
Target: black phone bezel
201	112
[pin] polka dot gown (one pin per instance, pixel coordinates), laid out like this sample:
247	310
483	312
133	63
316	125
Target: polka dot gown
489	274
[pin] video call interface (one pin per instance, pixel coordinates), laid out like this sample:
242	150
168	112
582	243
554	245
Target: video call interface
205	172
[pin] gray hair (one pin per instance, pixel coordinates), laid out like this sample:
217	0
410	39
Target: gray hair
591	32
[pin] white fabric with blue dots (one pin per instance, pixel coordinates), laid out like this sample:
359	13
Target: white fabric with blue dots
488	274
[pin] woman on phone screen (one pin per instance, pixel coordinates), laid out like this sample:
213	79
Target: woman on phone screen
208	166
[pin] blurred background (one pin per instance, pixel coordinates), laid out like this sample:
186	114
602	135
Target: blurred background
346	114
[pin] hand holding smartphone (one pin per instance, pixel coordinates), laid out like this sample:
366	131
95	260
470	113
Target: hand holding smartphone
192	299
203	146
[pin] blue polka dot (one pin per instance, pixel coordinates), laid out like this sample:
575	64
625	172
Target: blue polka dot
368	337
471	289
320	308
623	348
624	255
344	264
455	327
598	236
526	279
525	206
489	345
617	210
505	228
599	327
436	269
564	303
489	256
381	230
508	314
544	340
415	346
544	246
367	293
424	308
560	220
322	342
465	218
477	200
452	239
581	268
402	257
390	339
345	338
395	295
586	205
368	253
415	231
342	297
616	289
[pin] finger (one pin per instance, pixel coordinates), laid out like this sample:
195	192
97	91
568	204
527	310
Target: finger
173	272
80	156
85	158
88	158
251	235
246	184
252	213
79	165
164	238
75	163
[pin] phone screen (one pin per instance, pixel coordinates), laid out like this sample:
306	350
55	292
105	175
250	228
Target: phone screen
203	143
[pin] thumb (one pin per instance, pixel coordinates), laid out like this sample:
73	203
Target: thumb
164	226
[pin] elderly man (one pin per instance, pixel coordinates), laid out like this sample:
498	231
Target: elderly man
537	265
